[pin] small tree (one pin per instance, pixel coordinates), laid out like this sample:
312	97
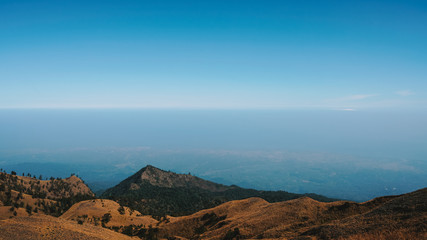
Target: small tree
106	218
29	209
121	210
232	234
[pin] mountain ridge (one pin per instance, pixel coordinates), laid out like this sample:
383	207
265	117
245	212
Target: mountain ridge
157	192
160	178
402	217
393	217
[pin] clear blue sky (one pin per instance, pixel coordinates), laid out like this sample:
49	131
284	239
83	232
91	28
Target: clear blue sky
213	54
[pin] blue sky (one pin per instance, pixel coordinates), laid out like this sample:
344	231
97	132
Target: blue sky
339	55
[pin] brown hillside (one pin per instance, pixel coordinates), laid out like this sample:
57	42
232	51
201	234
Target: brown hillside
96	211
7	212
404	216
49	196
255	217
47	227
23	202
51	189
305	218
58	188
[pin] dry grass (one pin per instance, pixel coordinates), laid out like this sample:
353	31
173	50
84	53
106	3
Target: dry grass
256	217
92	212
401	234
25	200
397	217
46	227
75	183
6	213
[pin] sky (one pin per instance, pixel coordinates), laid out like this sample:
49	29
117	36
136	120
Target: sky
339	55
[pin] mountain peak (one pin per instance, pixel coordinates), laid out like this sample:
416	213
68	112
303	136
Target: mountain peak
160	178
150	167
157	192
153	176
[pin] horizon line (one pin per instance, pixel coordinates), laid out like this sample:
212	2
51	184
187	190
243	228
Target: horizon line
333	108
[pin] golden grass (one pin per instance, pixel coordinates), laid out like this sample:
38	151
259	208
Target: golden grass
397	217
41	227
92	211
400	234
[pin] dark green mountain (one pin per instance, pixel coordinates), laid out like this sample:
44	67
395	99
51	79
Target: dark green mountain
156	192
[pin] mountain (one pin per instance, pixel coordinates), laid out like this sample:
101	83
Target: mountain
160	178
23	195
395	217
156	192
26	201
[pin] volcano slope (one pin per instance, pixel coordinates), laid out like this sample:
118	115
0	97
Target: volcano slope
305	218
153	191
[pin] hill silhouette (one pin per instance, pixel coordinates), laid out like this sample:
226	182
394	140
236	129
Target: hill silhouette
156	192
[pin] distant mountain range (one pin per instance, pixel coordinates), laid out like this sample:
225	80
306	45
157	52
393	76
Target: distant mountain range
29	209
156	192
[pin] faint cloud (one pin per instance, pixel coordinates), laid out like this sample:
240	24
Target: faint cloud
355	97
405	93
359	96
349	103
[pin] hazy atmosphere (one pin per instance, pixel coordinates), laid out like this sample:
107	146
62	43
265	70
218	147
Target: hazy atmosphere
326	97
